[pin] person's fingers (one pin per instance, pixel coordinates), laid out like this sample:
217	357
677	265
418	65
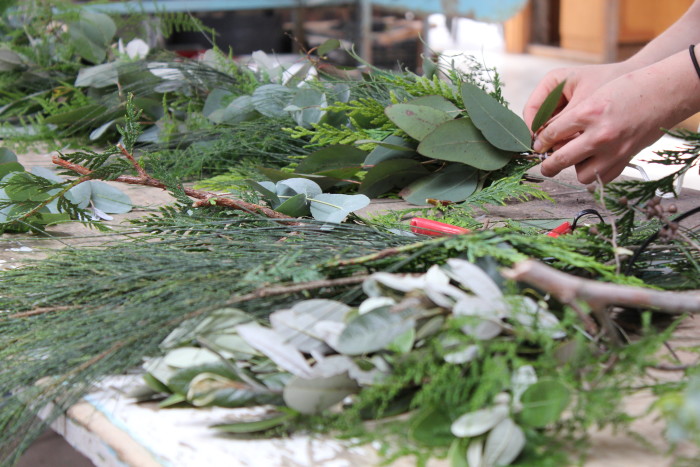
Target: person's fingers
558	130
572	153
603	168
540	93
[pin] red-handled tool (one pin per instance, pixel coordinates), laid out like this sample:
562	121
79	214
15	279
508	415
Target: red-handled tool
561	229
422	226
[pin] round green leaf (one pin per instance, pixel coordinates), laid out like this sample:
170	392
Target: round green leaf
271	99
544	402
7	156
416	120
459	141
310	396
371	331
109	199
331	207
456	182
10	167
294	186
500	126
295	206
307	106
216	100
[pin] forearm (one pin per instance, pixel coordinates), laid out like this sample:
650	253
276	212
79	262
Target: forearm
677	37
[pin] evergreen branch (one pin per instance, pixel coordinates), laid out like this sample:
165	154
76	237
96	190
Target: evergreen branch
204	198
50	199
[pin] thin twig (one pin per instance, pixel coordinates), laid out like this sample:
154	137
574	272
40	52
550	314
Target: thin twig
383	253
139	169
36	311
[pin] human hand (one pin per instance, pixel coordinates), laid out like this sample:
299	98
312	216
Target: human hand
600	132
581	82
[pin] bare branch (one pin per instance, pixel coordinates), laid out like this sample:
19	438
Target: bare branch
599	295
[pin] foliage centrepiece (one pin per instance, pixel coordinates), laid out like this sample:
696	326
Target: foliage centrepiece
490	373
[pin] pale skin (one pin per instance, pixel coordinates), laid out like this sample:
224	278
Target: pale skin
610	112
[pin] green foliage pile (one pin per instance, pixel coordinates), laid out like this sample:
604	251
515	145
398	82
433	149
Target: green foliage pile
189	276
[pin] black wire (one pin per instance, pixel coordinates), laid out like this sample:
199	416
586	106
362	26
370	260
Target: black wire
584	213
653	237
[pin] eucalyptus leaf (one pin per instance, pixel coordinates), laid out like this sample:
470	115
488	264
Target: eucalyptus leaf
549	105
99	132
294	206
455	183
10	60
7	155
460	141
403	342
479	422
417	120
503	444
267	191
524	377
267	423
332	158
475	453
80	194
21	186
216	100
271	99
295	325
386	175
327	47
330	207
294	186
543	402
436	102
306	107
371	332
501	127
91	35
240	109
310	396
98	76
155	384
108	198
271	344
456	455
392	147
277	175
186	357
211	389
485	316
9	167
473	278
